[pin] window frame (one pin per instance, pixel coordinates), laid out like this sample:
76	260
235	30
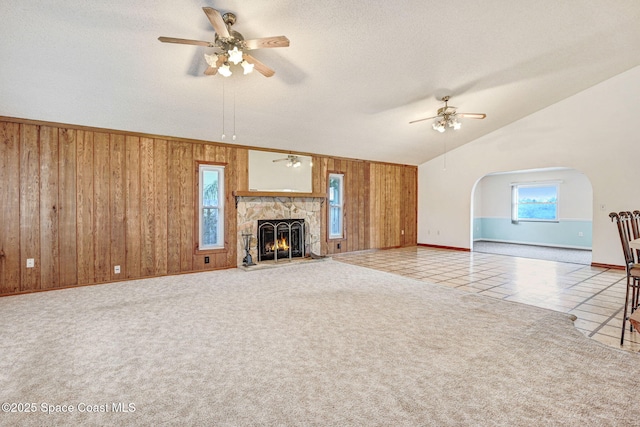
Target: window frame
515	201
220	168
340	206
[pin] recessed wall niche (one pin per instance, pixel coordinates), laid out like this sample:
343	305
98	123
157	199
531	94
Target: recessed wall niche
272	171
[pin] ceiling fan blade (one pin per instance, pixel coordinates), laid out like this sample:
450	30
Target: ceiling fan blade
185	41
217	22
472	115
262	69
422	120
210	71
277	41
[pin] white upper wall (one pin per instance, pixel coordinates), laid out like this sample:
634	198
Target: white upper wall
592	132
268	172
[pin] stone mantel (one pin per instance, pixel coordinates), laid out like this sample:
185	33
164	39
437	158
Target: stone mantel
278	194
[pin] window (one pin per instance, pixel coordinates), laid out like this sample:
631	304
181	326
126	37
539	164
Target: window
534	202
211	206
335	205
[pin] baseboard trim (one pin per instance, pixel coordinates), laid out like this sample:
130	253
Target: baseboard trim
452	248
544	245
611	266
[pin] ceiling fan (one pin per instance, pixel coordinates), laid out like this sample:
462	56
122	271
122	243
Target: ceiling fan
291	160
231	46
448	116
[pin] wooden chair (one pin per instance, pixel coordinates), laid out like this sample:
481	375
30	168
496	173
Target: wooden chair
626	227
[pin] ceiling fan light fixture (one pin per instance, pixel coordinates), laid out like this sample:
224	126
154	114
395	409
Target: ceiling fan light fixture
225	69
247	67
212	60
453	122
235	55
439	126
292	161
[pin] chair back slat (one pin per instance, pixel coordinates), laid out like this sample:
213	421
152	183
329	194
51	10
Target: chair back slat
635	226
625	230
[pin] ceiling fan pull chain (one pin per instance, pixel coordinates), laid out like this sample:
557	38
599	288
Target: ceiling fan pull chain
444	157
223	135
234	112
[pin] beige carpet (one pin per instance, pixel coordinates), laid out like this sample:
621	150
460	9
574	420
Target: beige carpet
315	344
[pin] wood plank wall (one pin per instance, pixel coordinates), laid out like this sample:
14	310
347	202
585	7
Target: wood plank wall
380	204
81	200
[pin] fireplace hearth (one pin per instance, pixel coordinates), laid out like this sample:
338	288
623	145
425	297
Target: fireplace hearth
280	239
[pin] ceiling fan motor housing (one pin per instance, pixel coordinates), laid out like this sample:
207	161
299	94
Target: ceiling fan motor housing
446	111
229	18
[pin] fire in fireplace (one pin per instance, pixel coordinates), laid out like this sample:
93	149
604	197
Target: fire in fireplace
280	239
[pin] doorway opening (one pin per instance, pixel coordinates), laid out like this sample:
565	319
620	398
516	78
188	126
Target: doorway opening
496	227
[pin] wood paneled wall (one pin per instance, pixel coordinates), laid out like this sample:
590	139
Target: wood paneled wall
380	204
80	201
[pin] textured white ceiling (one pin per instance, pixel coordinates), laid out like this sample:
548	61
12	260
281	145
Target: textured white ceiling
355	74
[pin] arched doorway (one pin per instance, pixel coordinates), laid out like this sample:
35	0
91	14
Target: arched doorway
498	198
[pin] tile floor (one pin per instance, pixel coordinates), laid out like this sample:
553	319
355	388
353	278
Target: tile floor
594	295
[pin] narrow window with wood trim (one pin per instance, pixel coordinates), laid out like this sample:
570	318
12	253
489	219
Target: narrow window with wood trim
211	206
336	205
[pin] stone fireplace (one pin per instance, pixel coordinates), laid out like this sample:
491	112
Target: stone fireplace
280	239
302	211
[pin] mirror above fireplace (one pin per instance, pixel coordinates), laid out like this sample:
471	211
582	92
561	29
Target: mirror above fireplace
279	172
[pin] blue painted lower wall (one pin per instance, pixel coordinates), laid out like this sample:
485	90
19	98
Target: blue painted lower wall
565	233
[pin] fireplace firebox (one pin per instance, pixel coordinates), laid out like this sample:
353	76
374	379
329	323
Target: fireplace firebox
280	239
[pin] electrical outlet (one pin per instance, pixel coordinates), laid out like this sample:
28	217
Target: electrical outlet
206	260
402	232
339	245
116	269
31	263
580	234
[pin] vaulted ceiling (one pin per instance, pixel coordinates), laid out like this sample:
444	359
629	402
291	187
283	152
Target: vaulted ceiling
355	74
